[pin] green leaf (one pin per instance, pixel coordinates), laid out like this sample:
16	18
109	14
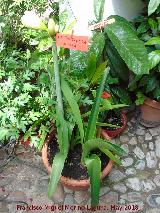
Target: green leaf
67	92
107	124
104	108
57	167
99	9
154	58
156	93
106	105
111	80
118	66
128	45
143	27
111	156
69	27
99	72
140	98
91	67
122	94
151	84
93	164
90	132
62	132
44	133
153	25
45	44
116	148
97	44
153	41
4	133
35	124
99	143
153	5
78	60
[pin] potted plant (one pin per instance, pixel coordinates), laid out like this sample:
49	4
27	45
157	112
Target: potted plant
113	121
147	86
87	135
88	139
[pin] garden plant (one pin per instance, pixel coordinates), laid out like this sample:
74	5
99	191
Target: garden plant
147	87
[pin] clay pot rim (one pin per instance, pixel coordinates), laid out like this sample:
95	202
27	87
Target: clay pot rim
152	103
72	182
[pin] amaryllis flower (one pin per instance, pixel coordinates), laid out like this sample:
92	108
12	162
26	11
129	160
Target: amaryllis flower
105	95
32	20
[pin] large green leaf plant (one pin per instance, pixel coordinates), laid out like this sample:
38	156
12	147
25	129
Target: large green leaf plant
120	46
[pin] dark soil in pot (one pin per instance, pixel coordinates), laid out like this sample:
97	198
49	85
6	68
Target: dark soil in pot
73	168
114	119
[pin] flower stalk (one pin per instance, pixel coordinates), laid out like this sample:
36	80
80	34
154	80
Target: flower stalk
57	79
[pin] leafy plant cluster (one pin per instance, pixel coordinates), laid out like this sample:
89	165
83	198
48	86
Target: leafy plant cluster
26	95
26	102
148	30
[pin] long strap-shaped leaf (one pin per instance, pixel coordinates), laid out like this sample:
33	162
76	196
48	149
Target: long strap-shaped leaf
59	159
57	167
62	133
111	156
104	108
93	164
99	143
99	71
90	132
107	124
67	92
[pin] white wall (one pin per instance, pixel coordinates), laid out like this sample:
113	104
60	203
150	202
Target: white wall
126	8
84	12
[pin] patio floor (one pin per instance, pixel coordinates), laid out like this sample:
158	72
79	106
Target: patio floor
136	184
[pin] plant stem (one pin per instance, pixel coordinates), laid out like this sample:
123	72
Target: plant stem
57	79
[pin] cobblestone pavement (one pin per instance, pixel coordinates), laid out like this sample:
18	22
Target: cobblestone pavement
24	180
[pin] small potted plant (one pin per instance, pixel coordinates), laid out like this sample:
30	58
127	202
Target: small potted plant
113	121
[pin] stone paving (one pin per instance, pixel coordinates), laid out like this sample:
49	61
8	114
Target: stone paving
134	185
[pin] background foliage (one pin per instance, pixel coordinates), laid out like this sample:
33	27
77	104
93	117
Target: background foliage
25	72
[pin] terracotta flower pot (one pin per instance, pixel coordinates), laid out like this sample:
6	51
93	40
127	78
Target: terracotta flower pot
72	183
26	143
116	132
150	113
